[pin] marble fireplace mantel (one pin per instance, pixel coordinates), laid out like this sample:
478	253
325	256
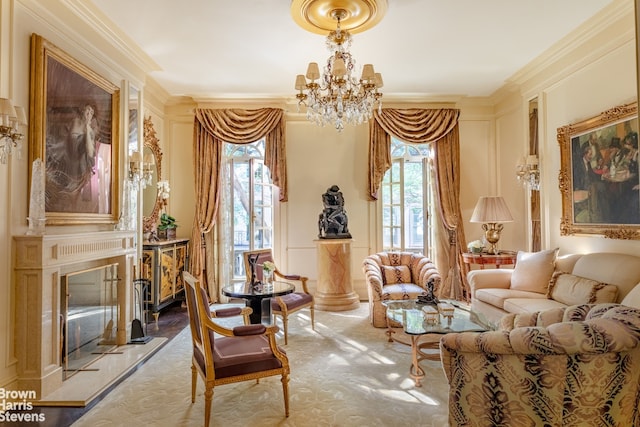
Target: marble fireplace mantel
40	262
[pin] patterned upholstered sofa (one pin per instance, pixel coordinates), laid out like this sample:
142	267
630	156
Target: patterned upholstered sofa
541	281
573	366
396	276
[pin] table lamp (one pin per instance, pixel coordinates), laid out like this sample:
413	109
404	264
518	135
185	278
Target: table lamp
492	212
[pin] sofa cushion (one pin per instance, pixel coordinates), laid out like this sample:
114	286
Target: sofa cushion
497	296
573	290
633	298
622	270
528	305
402	291
396	274
533	271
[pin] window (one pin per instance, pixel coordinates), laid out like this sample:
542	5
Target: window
250	202
407	199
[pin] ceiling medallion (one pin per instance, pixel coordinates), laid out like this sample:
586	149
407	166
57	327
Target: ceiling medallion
317	16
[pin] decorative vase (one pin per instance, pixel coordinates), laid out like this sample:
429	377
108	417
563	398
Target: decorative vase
267	276
267	279
171	233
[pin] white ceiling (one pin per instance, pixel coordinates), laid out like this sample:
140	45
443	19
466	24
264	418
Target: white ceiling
252	48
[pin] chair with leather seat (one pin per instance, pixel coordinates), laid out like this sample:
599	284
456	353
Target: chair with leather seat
242	353
283	305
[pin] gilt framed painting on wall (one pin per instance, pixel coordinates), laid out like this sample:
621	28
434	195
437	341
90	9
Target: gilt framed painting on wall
598	177
74	129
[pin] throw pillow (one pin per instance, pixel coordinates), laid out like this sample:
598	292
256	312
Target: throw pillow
396	274
573	290
633	298
533	270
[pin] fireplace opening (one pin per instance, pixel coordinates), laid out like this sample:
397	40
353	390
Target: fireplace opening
89	313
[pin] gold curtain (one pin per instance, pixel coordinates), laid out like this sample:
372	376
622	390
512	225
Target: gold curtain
211	129
418	126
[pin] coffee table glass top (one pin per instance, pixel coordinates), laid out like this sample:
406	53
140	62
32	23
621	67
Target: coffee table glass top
410	314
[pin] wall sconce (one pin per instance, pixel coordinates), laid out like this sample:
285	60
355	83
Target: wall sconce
11	119
141	168
528	173
491	211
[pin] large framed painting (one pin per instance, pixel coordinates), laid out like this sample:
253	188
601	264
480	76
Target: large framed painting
74	129
599	178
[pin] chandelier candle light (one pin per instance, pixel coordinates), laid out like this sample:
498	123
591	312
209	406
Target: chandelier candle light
337	96
141	168
11	119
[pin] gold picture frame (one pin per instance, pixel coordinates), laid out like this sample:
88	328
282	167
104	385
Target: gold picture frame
74	129
599	178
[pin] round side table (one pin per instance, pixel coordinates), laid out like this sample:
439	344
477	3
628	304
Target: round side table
501	258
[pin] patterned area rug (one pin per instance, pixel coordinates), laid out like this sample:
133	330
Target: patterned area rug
344	373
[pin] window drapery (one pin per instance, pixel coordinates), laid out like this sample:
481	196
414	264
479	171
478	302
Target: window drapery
212	127
418	126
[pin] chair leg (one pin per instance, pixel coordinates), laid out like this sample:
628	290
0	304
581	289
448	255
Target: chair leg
313	326
208	398
194	383
285	321
285	392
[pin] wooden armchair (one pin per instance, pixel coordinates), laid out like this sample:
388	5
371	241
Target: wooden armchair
244	353
284	305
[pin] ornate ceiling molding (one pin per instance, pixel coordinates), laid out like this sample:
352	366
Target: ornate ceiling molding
318	16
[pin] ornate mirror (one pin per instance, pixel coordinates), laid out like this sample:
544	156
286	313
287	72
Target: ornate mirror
151	202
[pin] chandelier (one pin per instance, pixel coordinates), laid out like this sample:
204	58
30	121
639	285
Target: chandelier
141	168
336	96
528	173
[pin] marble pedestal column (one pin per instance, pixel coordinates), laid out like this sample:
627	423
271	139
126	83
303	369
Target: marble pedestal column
335	289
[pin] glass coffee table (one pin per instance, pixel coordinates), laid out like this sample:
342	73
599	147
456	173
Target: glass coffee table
425	326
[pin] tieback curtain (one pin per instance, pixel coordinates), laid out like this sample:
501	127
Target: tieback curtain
212	127
418	126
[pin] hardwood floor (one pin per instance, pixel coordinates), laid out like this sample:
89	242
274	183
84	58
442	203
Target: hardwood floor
172	320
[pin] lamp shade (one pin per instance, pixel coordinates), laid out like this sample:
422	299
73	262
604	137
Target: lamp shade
378	80
339	67
313	71
491	210
135	157
21	115
301	82
367	72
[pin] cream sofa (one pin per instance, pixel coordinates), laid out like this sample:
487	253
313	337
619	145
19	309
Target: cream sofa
555	282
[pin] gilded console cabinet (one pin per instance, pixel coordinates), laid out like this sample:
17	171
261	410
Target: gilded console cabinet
164	262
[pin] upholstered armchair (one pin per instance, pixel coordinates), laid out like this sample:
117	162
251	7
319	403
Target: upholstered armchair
396	276
242	353
573	366
283	305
